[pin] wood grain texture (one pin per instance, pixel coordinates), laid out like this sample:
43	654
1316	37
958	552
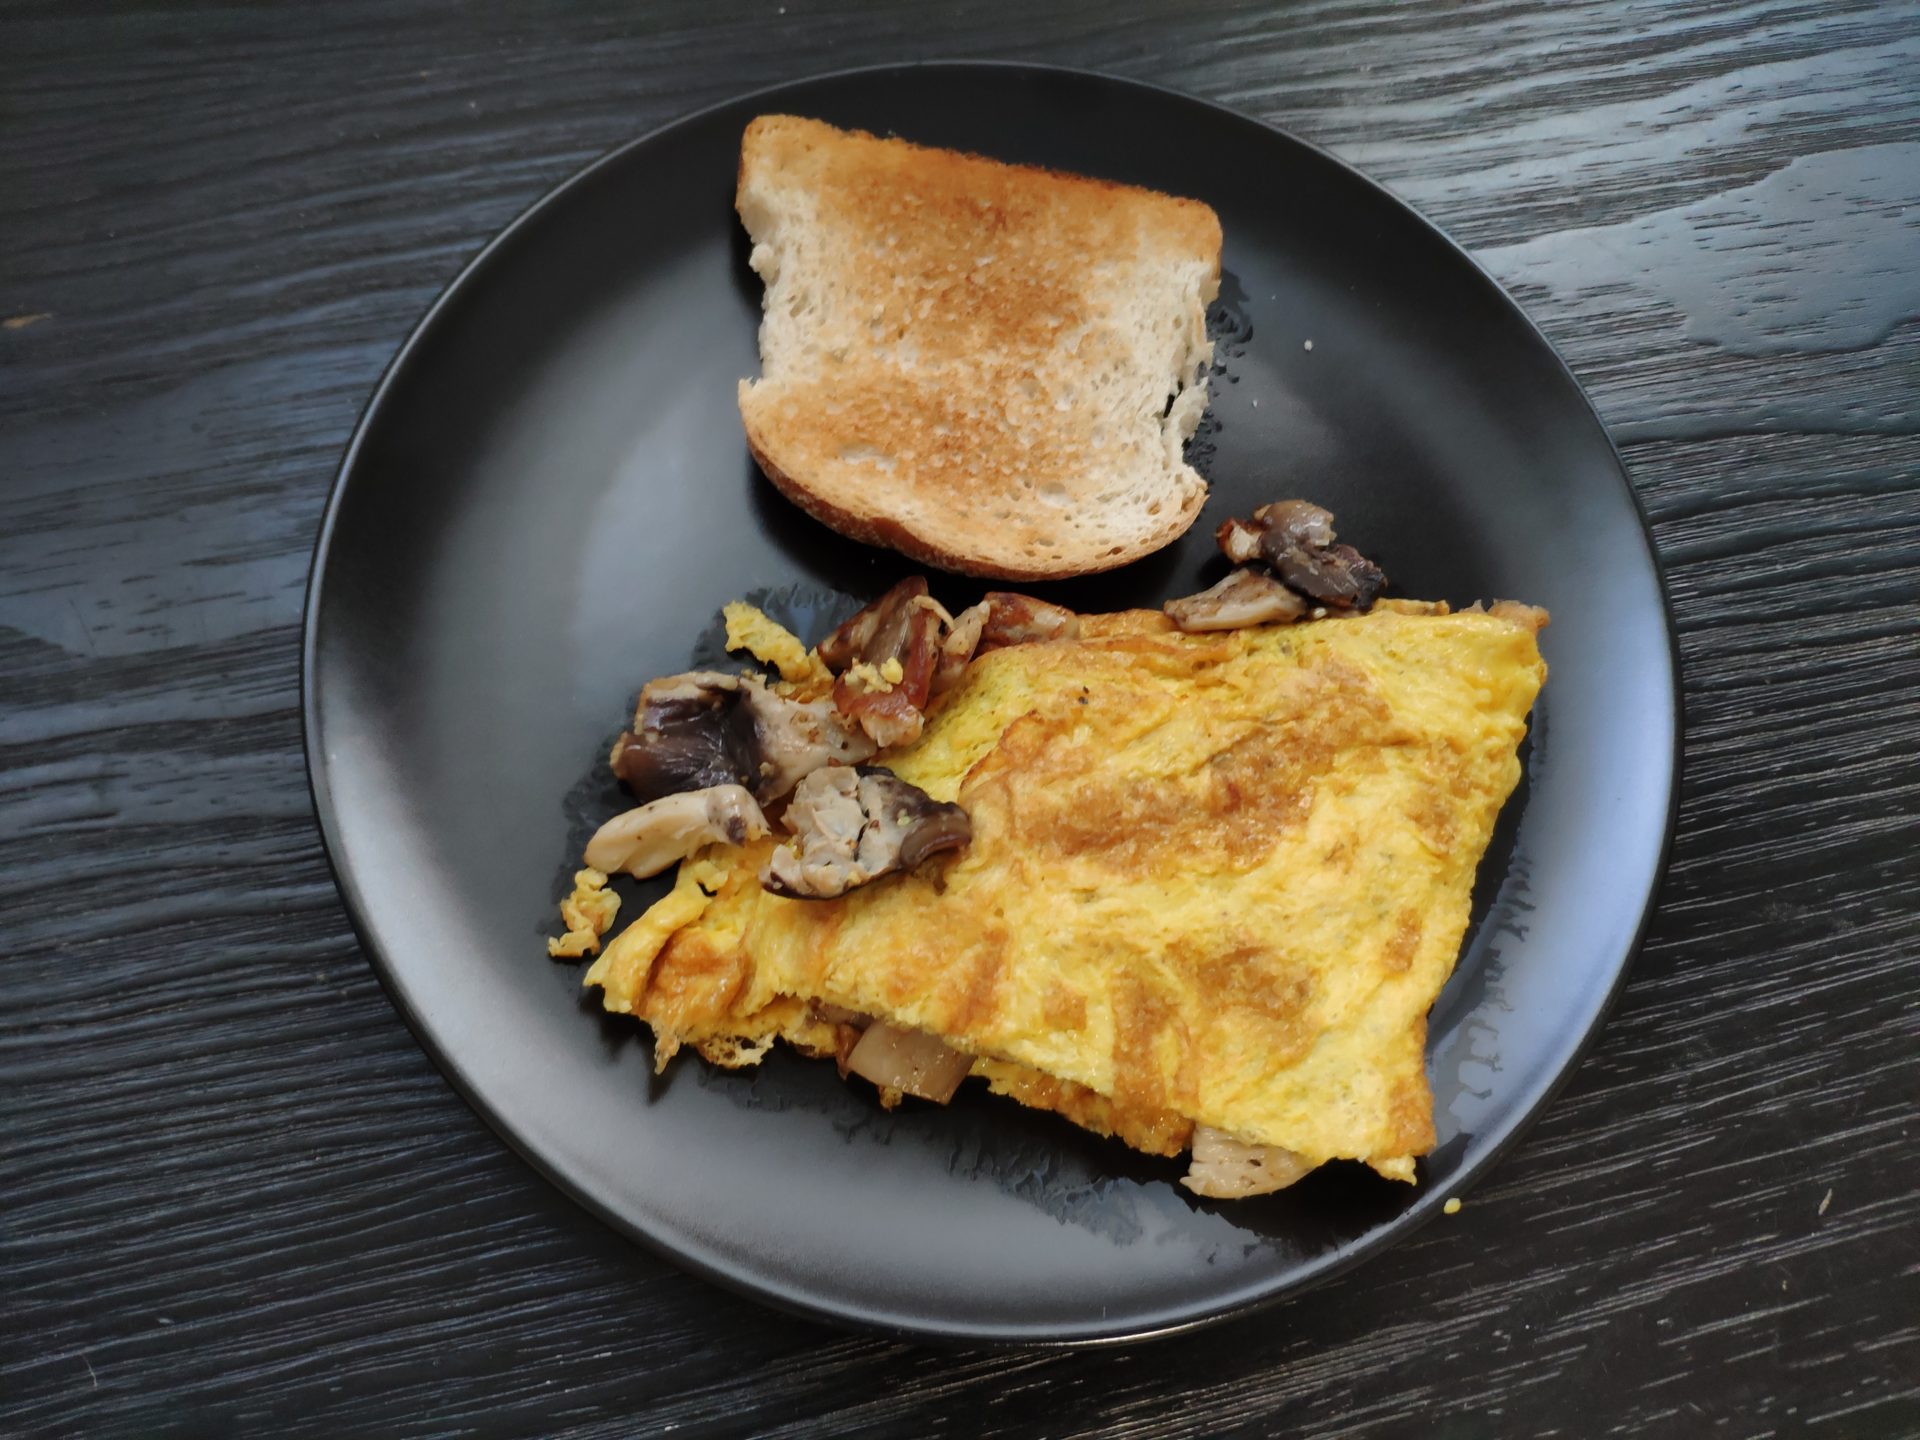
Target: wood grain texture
238	1198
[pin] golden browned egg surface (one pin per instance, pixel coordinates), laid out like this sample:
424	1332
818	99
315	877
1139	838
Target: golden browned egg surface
1214	879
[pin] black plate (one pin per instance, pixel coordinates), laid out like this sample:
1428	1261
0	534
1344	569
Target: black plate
547	502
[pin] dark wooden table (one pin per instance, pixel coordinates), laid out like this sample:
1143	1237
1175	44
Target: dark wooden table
237	1198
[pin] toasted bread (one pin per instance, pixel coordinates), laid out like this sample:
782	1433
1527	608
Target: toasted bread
990	368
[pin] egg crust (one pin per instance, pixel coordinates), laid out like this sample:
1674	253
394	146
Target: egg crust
1214	879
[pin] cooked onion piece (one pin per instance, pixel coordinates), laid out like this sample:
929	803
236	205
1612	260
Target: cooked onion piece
1224	1168
909	1061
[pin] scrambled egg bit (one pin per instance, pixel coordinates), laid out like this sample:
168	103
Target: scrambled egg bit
752	630
876	678
587	913
1214	885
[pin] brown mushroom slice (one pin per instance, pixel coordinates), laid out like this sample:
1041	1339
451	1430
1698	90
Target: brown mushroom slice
1224	1168
705	728
1014	619
1002	618
911	1062
1246	597
912	825
878	630
884	709
1296	539
885	658
853	825
1299	523
1339	577
690	732
647	839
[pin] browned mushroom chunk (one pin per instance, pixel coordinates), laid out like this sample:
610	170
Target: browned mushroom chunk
648	838
852	825
1296	540
689	732
1246	597
882	707
1283	523
885	658
879	630
702	729
1000	619
1022	620
1299	544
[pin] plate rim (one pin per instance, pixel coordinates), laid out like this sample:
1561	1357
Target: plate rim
738	1279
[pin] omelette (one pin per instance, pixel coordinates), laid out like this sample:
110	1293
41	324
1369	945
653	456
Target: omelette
1213	885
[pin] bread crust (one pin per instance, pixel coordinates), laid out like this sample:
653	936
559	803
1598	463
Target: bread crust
891	534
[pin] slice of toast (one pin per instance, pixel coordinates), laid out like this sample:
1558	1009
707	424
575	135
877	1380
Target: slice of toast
991	368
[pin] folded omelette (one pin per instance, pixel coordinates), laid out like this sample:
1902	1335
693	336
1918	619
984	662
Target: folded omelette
1214	884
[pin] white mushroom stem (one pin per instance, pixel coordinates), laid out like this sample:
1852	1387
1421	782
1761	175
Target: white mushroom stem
1246	597
647	839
